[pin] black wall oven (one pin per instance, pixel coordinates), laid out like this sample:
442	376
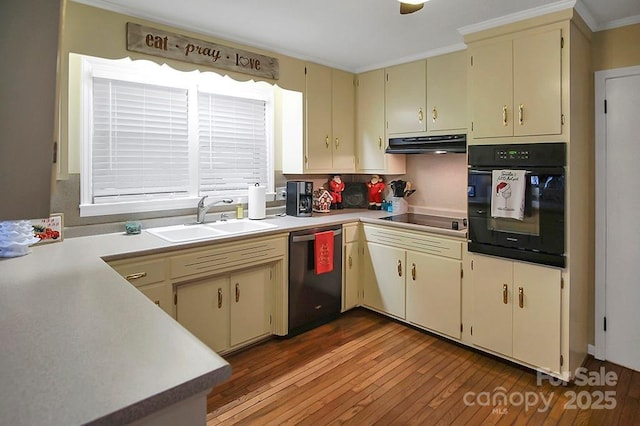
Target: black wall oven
540	236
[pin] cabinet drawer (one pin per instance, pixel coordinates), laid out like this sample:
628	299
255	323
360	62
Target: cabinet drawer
228	256
141	273
350	233
417	241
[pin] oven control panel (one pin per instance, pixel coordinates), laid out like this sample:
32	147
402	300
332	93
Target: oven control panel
512	154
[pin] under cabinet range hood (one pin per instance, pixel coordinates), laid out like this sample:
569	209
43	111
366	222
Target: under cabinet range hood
428	144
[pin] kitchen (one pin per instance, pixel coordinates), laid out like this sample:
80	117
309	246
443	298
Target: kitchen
87	26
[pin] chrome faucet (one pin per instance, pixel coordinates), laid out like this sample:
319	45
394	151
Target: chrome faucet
202	208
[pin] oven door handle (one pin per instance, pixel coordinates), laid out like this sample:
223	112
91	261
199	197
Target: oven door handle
312	237
488	171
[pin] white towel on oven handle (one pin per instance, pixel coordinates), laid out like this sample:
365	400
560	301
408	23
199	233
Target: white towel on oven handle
508	192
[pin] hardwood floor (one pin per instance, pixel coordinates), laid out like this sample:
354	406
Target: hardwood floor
365	369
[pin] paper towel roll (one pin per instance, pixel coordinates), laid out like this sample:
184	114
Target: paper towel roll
257	202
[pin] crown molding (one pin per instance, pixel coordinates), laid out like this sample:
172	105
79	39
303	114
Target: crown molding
424	55
518	16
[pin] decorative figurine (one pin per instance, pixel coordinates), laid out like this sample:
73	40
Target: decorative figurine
322	200
336	186
376	188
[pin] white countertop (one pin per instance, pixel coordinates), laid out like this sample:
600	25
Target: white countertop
80	344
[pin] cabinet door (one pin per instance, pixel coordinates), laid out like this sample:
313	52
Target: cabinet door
447	92
384	279
351	283
161	294
318	117
406	88
250	304
536	315
28	92
492	303
370	139
491	89
433	292
203	309
537	84
343	121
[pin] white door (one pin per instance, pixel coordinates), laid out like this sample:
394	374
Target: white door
617	225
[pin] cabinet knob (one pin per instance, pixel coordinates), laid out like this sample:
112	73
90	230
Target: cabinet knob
337	142
237	292
326	141
350	262
219	298
434	114
399	268
420	115
505	294
380	143
413	271
504	115
521	297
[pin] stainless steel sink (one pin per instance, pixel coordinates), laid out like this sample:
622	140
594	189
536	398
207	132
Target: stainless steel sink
204	231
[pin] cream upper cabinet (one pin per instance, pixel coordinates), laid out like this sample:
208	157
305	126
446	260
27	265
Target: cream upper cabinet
343	120
515	84
405	103
370	127
447	92
516	310
329	119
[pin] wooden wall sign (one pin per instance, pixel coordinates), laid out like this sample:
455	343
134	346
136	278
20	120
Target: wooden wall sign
175	46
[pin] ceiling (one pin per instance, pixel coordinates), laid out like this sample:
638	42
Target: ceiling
358	35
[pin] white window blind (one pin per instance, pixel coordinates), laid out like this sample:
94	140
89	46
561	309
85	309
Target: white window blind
233	148
140	141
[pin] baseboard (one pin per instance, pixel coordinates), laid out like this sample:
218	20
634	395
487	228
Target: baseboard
591	350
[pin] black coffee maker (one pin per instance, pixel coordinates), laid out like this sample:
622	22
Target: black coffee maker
299	198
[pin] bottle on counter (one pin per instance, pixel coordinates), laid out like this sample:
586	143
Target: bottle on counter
239	210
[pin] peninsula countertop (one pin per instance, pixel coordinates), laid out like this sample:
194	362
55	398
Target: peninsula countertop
82	345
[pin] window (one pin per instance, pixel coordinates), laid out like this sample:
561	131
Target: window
155	138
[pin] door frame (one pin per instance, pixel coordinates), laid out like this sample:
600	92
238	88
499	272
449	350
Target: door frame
601	78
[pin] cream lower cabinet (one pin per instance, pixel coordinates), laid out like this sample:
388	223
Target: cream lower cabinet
516	310
149	275
384	271
414	276
226	311
351	266
434	293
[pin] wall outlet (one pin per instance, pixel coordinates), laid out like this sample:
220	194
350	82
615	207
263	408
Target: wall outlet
281	193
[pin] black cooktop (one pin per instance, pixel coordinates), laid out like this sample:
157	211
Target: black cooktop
427	220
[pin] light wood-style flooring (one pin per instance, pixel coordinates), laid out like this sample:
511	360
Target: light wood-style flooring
365	369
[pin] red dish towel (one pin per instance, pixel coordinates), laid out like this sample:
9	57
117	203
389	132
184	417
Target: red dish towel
324	252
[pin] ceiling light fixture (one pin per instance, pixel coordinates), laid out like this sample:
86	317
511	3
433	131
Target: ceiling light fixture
410	6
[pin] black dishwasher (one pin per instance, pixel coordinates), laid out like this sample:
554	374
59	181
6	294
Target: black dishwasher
314	299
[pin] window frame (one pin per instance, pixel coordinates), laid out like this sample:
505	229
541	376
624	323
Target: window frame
148	72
